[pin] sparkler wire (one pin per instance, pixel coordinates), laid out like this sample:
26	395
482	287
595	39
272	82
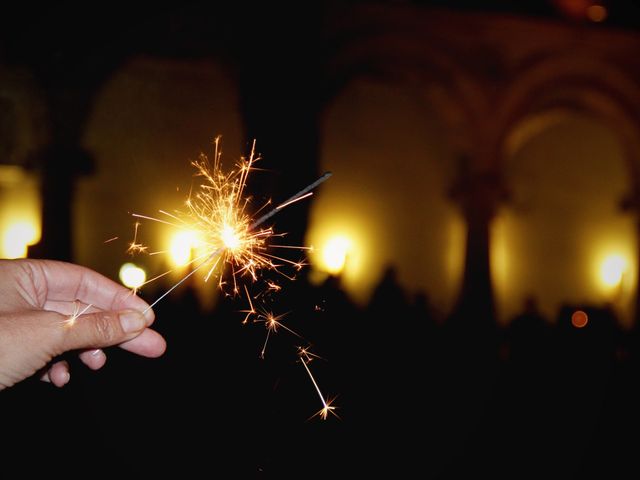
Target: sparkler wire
290	200
217	252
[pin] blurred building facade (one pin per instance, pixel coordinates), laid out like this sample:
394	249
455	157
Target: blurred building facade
489	156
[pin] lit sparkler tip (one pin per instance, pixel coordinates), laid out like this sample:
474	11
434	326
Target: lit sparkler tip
328	408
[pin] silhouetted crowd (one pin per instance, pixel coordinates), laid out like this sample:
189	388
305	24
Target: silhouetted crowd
419	395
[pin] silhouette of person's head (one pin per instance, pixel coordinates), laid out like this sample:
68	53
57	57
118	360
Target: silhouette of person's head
531	305
388	293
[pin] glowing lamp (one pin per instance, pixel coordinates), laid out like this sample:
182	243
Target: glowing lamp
19	211
334	254
17	237
612	270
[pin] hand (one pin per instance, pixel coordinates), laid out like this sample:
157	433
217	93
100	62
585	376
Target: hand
40	303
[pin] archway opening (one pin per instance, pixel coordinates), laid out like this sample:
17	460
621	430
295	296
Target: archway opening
387	202
564	238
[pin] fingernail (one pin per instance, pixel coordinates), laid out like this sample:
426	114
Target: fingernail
132	321
149	316
96	352
66	376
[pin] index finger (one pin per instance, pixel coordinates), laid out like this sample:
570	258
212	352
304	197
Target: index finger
69	282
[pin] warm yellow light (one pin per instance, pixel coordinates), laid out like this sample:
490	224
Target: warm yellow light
19	211
334	254
17	237
181	247
132	276
230	237
612	270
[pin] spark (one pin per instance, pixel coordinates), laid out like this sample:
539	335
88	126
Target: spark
176	285
76	313
304	352
294	198
272	323
111	240
327	408
134	246
310	249
289	202
251	310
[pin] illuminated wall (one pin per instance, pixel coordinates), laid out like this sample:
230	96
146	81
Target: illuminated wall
386	203
563	237
22	132
150	121
20	211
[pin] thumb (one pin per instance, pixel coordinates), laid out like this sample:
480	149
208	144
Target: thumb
103	329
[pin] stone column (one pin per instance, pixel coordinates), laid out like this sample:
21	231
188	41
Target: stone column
478	194
59	167
631	204
62	161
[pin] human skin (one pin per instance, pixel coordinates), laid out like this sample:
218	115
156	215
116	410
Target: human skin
39	305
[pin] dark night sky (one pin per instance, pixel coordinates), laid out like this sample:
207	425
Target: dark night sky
34	31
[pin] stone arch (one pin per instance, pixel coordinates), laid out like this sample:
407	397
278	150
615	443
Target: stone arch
429	67
557	89
572	83
425	69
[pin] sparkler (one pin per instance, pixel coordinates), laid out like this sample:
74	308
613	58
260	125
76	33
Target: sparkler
229	239
225	232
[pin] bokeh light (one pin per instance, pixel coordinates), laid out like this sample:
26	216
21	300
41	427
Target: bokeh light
334	254
17	237
612	270
132	276
181	248
20	211
341	247
597	13
579	319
